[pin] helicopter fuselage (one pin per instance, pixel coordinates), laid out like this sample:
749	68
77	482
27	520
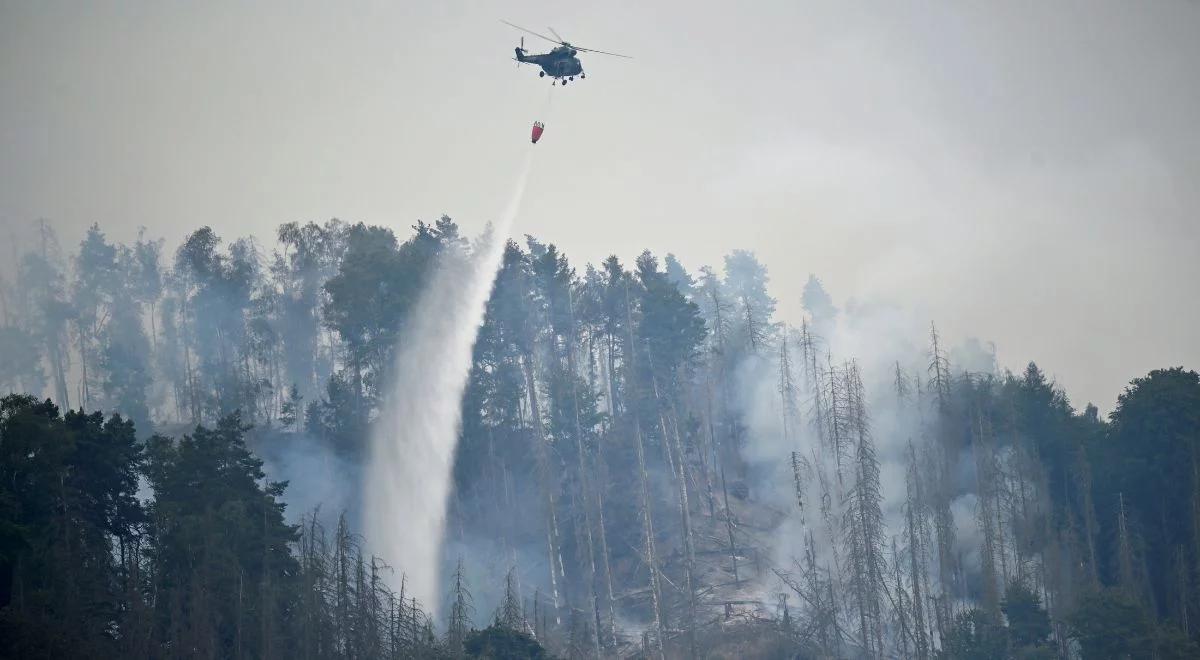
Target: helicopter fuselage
558	63
562	63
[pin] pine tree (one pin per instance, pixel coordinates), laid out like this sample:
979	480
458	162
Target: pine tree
916	532
863	523
458	620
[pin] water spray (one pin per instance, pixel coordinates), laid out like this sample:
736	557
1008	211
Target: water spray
413	442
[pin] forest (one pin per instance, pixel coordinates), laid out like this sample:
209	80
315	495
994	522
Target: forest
651	464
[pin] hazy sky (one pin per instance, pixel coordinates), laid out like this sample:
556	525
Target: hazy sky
1024	172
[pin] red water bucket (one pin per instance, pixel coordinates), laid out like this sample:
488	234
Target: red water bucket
537	131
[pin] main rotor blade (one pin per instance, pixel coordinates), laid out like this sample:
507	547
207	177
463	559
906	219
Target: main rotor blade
529	31
602	52
556	35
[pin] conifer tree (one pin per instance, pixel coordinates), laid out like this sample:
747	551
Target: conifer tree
458	619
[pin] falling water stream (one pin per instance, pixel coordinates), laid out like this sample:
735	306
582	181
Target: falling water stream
414	440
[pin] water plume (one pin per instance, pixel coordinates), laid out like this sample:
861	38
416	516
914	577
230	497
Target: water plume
413	441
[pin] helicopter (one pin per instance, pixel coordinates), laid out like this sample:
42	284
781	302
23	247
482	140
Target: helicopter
561	63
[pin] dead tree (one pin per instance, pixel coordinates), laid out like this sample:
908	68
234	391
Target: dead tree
612	608
944	456
644	487
799	465
813	383
1083	480
584	484
939	370
787	389
916	531
717	356
689	555
509	614
557	571
985	512
901	604
1125	570
900	383
863	523
724	488
838	421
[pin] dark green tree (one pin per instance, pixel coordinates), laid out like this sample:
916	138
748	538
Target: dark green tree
1151	461
671	328
497	642
974	635
68	519
225	576
746	282
1028	623
376	283
1109	625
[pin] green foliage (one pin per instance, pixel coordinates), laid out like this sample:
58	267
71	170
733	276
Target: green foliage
220	544
746	282
1151	460
335	417
311	254
566	366
207	564
124	362
366	300
498	642
1111	625
1172	644
1028	623
670	325
974	636
290	412
67	497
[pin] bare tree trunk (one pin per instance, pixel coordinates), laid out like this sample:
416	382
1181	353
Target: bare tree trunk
266	606
1084	472
185	336
543	463
60	377
594	596
83	362
914	517
985	485
724	495
1125	575
612	609
647	515
705	451
898	604
689	551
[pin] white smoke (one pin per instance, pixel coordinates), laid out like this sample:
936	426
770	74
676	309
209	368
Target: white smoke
876	336
414	440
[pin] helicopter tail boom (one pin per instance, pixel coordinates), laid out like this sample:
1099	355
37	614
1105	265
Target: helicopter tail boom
521	51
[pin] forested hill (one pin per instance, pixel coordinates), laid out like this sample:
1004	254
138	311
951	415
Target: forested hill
651	464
